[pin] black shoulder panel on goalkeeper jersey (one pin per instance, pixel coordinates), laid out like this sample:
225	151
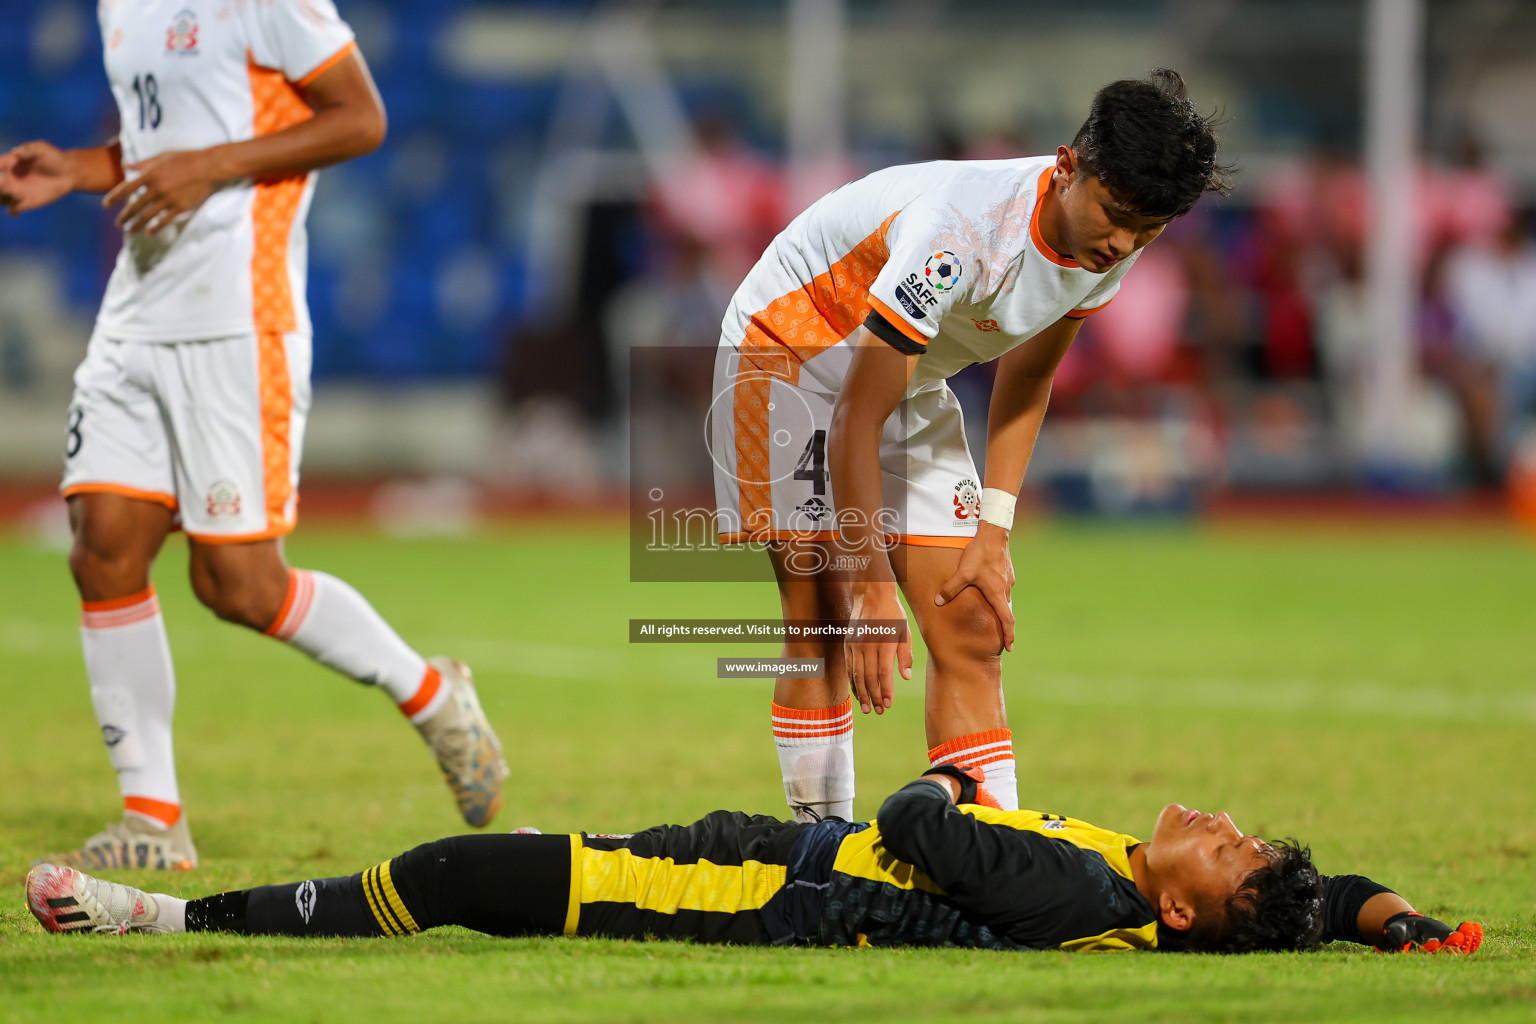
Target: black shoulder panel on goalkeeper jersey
1026	888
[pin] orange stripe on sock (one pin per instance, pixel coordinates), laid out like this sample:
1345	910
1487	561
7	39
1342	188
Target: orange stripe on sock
119	602
974	739
295	606
431	682
813	714
122	611
166	814
801	734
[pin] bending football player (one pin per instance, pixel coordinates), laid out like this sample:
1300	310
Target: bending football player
936	868
844	444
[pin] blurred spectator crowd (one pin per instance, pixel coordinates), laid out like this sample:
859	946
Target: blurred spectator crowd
1232	354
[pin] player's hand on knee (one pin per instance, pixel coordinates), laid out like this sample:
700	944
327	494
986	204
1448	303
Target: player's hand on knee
987	565
870	676
166	187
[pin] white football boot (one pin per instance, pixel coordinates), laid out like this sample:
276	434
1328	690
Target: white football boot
132	844
465	745
65	900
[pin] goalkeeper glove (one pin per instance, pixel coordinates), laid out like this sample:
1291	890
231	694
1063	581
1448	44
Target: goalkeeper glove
1411	930
971	789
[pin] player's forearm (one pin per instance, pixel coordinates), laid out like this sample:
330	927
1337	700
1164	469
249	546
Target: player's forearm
1374	914
853	457
1020	395
96	169
1013	425
331	136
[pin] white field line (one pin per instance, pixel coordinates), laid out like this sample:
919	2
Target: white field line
562	661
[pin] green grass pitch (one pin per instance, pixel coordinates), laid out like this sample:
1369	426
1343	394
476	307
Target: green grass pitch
1373	692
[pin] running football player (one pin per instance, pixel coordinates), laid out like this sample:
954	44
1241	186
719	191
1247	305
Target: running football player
189	408
843	448
927	872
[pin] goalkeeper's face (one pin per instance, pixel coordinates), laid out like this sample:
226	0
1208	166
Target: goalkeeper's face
1198	860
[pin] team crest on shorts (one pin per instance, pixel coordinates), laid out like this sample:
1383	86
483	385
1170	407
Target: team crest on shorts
181	37
967	502
223	499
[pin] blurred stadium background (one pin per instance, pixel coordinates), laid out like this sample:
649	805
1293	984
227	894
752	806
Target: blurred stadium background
565	180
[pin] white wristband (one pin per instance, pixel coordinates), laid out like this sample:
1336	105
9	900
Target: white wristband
997	507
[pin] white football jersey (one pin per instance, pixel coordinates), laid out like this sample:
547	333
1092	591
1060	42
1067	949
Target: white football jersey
949	254
190	74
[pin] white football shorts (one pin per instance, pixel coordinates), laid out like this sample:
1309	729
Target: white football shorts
211	429
773	482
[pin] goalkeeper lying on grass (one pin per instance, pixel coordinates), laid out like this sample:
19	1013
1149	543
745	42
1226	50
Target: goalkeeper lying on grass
926	872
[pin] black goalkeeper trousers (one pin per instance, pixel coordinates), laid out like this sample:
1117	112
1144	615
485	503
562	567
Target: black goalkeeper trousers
498	884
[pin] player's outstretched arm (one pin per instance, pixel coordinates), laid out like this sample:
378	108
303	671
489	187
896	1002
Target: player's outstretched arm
37	173
1019	398
1358	909
875	383
348	122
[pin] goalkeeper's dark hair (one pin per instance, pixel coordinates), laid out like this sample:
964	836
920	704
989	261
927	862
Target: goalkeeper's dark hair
1278	907
1150	147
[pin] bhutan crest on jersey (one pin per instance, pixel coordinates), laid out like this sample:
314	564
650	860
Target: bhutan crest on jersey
967	502
181	37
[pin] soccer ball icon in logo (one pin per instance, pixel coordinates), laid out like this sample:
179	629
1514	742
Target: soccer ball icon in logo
942	271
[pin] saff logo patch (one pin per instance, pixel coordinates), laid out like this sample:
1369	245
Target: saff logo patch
1054	826
942	271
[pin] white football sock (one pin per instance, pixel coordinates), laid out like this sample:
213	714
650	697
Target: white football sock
133	690
992	752
816	759
331	622
170	911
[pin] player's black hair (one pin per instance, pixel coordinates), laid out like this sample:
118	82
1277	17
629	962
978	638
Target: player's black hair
1278	907
1150	147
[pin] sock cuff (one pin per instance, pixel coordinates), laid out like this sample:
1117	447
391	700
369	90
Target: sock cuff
295	606
120	611
812	724
973	749
431	684
161	811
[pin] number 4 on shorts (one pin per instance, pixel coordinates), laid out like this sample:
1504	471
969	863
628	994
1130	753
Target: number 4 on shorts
813	463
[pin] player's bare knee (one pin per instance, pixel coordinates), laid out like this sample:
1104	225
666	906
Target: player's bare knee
965	628
232	597
103	570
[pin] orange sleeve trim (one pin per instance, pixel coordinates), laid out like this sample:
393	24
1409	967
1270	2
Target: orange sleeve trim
326	65
116	603
898	322
1078	314
431	682
158	497
160	810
